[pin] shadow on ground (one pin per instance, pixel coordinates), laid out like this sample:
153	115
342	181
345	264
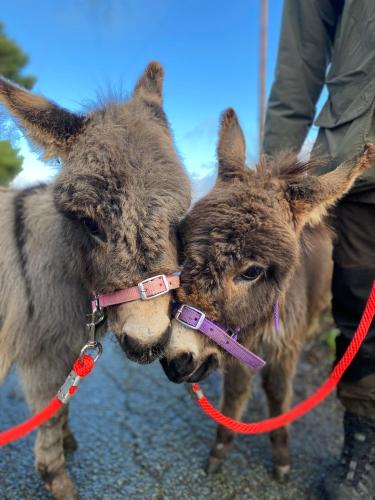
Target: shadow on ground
141	437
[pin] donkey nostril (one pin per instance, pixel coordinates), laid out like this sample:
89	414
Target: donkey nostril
184	364
179	368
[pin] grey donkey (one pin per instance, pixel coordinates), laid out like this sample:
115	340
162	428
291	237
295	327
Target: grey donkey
259	237
106	223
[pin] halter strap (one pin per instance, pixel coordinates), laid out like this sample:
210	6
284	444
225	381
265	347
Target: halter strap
145	290
196	319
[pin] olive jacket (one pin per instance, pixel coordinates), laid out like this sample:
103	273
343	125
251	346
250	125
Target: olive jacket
332	43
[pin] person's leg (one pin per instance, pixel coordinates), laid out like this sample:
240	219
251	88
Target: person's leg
354	273
353	276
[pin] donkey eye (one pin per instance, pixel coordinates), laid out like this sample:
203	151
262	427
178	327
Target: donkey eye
252	273
91	226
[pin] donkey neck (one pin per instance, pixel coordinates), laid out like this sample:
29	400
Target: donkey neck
49	262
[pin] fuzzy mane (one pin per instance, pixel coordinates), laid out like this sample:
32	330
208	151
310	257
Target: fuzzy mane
287	166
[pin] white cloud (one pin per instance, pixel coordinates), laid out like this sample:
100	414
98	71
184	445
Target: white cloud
203	179
33	170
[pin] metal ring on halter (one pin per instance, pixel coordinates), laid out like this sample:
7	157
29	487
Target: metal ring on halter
92	346
99	315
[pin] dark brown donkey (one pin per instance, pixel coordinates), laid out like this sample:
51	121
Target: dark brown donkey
258	237
106	223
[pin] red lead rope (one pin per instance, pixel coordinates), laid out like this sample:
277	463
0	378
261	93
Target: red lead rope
84	366
308	404
81	368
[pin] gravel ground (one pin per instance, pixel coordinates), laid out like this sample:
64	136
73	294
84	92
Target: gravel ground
141	437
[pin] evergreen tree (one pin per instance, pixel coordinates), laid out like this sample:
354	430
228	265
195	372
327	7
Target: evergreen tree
10	163
12	61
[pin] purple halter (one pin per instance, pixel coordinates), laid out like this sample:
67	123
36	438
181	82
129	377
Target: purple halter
196	319
276	316
193	318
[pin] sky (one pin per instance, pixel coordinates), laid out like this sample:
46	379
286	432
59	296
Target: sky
209	50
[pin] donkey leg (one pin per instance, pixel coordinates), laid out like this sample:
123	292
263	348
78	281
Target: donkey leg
69	441
50	460
236	393
277	383
41	384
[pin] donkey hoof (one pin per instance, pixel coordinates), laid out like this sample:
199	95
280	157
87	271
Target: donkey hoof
214	465
61	487
281	473
70	443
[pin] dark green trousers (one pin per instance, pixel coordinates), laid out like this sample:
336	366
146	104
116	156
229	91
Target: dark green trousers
354	273
354	258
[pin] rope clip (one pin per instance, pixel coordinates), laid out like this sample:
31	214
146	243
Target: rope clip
81	368
195	391
92	320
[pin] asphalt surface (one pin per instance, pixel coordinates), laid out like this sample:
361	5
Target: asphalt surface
142	437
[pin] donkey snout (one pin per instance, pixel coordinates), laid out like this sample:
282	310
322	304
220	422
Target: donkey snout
177	369
144	353
209	365
185	368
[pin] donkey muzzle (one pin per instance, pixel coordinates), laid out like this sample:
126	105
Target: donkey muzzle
144	354
185	368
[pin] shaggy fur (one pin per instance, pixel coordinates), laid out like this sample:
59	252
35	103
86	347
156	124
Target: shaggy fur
106	223
257	238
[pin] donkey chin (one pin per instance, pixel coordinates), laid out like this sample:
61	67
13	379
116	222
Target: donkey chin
188	357
143	328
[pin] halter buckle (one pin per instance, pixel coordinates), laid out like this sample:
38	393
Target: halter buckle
199	322
143	290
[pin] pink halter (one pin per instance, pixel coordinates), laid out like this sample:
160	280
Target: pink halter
145	290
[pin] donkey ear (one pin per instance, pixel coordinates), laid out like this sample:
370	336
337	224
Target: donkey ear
150	85
311	197
231	150
48	126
